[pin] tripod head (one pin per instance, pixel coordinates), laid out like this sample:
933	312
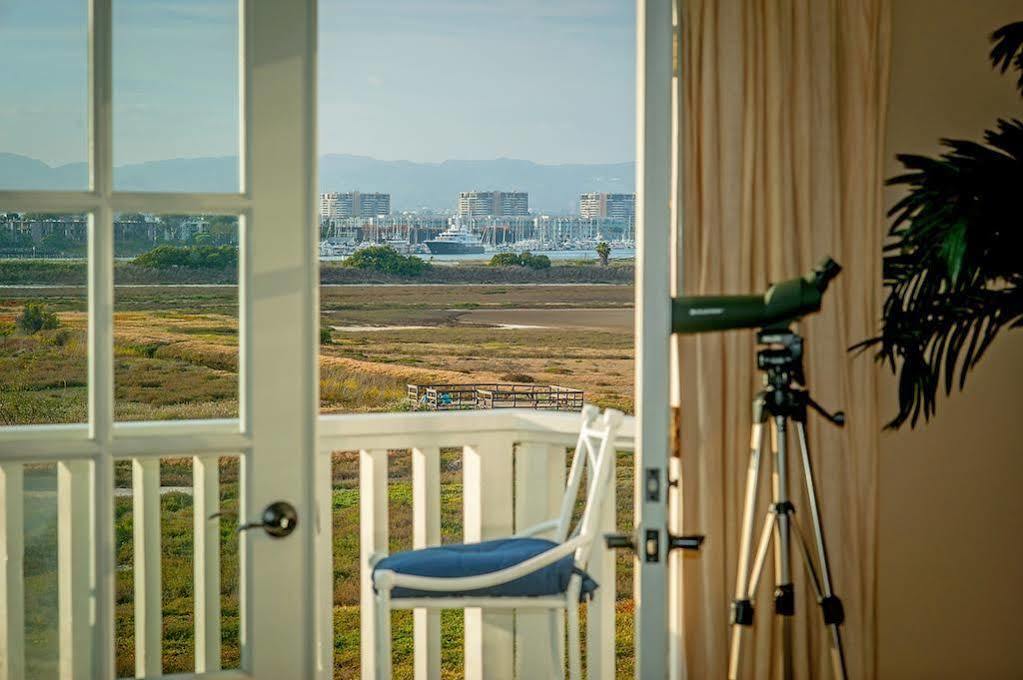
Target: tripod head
782	357
781	360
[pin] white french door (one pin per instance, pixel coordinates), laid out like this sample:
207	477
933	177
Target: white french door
275	433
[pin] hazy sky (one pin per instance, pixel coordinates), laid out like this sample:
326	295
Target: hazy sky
425	80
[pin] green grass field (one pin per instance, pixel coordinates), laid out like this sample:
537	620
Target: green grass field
176	357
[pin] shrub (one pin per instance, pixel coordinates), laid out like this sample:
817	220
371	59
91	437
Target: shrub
518	378
7	328
61	338
506	260
535	261
192	257
526	259
387	260
35	317
603	252
326	335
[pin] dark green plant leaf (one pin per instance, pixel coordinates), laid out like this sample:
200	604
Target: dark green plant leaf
953	249
1008	49
953	268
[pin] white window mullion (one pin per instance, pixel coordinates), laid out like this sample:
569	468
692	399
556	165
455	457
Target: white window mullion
61	202
101	329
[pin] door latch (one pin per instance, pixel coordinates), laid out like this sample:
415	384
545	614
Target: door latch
650	548
278	520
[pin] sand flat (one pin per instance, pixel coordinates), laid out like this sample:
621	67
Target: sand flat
602	319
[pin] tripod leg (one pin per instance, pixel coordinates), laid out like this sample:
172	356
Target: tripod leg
831	605
784	594
738	632
804	550
742	607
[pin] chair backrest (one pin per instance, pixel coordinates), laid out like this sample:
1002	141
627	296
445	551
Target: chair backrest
594	457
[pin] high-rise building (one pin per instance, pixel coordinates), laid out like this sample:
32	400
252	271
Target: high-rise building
493	203
617	206
354	204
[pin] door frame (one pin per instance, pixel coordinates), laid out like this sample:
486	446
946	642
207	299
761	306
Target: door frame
275	434
656	224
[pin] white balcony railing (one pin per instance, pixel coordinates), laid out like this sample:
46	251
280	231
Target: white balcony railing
513	476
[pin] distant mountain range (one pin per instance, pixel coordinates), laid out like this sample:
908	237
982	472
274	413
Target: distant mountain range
434	186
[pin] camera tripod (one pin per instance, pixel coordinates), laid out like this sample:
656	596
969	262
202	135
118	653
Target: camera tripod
783	399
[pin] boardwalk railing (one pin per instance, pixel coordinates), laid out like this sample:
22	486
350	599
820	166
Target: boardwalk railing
471	396
513	467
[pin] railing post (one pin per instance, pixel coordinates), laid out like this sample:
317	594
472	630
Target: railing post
12	572
426	533
372	540
539	487
74	569
600	611
145	521
487	499
206	562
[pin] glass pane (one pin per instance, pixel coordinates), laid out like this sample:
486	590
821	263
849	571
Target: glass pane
175	317
43	318
177	561
176	96
41	614
44	81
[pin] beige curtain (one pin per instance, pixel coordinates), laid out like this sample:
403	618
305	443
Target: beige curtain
784	105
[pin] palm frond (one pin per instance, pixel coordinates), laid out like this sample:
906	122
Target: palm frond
1008	49
952	267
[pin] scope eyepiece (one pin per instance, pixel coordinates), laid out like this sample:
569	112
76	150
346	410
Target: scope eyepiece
824	272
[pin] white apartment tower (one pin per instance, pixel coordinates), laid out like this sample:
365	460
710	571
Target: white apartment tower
596	204
354	204
493	203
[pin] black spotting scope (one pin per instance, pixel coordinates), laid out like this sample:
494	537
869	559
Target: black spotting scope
782	304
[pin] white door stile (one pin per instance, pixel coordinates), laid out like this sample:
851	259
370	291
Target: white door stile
206	561
539	488
425	534
280	334
653	317
373	540
12	571
101	330
487	513
145	492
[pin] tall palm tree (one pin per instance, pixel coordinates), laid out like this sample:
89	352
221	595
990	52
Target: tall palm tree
954	266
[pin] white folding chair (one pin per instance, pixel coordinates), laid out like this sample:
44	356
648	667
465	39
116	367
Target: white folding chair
518	572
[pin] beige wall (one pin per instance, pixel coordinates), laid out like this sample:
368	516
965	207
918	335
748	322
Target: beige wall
950	589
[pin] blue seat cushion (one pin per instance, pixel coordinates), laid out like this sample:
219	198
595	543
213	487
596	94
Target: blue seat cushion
473	559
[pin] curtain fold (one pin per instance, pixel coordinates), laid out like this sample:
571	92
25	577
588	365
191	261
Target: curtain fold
783	136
